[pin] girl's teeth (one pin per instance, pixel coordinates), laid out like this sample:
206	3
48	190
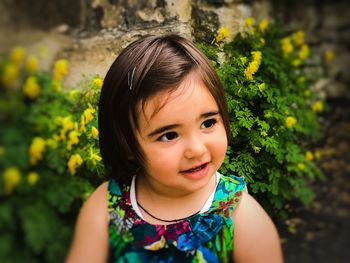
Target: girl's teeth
196	169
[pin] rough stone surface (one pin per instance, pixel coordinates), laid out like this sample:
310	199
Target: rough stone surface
230	18
261	10
112	14
335	15
180	9
89	32
327	27
206	28
42	14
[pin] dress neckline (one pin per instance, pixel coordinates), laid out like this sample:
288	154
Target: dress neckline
137	210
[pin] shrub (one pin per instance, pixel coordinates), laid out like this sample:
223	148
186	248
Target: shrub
268	78
49	157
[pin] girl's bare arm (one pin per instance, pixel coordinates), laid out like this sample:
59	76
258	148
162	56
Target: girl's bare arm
90	241
255	238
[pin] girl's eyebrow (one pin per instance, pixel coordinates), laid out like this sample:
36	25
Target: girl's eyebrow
172	126
163	129
208	114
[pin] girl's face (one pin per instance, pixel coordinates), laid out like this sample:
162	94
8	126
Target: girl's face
183	138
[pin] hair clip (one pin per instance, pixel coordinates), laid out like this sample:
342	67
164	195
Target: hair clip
130	79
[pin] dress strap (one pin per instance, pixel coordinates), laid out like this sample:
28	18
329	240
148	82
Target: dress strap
228	194
113	187
133	199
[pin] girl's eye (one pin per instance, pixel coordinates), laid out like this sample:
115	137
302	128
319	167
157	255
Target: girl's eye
167	137
208	123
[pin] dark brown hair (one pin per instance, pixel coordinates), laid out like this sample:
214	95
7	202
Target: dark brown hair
144	68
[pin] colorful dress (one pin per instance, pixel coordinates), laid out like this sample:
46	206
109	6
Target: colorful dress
205	237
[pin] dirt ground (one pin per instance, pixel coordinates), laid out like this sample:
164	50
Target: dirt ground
322	232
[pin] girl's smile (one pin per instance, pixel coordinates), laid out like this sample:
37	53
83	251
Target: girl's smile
197	172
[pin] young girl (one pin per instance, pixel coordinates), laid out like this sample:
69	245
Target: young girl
164	131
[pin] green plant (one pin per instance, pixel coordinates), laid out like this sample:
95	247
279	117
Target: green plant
49	158
273	111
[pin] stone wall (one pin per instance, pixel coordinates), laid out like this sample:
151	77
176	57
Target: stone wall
327	27
90	33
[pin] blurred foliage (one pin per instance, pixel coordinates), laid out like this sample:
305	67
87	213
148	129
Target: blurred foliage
49	157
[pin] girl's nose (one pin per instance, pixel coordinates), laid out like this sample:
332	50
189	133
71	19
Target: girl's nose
195	148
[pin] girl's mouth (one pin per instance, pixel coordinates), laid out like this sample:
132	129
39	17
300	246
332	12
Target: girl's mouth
197	172
195	169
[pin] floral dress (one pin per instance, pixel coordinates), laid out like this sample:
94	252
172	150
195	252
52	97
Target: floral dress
205	237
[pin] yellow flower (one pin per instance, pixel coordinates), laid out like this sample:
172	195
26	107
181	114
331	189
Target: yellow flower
257	56
74	162
36	150
243	60
32	178
254	65
296	62
98	82
263	25
56	138
94	132
290	121
304	51
262	41
52	142
307	93
318	155
60	69
286	45
73	139
249	21
86	117
262	87
263	133
301	166
67	125
94	157
256	149
10	74
309	156
74	94
329	56
317	106
56	85
298	38
251	31
32	64
11	178
31	87
17	55
251	70
222	34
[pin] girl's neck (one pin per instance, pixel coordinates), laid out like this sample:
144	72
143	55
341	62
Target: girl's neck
167	204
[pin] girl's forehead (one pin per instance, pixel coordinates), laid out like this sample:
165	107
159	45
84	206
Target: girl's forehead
173	96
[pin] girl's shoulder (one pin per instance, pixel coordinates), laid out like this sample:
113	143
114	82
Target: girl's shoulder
252	224
91	231
228	193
